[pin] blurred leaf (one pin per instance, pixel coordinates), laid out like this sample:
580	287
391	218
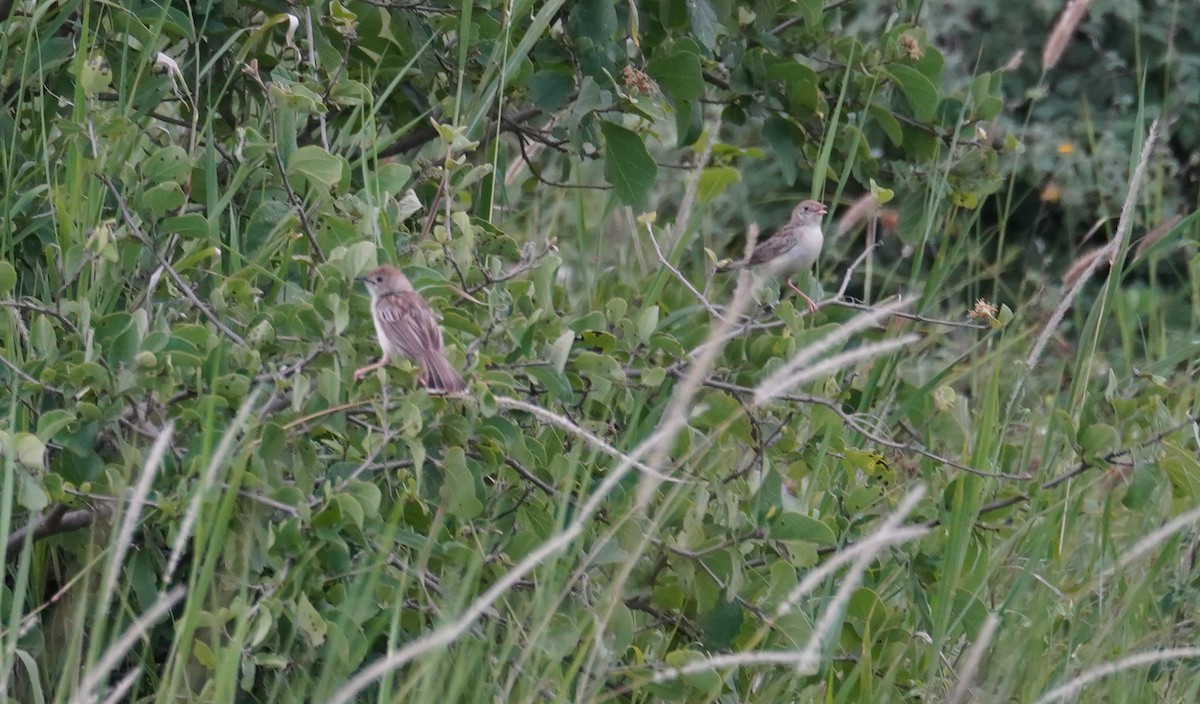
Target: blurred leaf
550	90
458	486
704	22
317	165
678	74
721	624
53	421
627	165
169	164
1183	469
714	180
30	451
921	93
162	198
794	526
1097	440
309	621
8	276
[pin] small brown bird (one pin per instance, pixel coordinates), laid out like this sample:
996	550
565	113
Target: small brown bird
792	249
406	327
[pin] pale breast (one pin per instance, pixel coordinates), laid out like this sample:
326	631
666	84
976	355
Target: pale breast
800	256
385	342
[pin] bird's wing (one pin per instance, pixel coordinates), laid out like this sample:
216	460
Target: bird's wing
409	324
772	247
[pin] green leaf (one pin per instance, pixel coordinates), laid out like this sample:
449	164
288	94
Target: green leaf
783	136
8	276
560	350
811	10
550	90
310	622
714	180
627	164
689	123
678	74
53	421
317	165
458	486
30	451
167	164
162	198
866	607
1183	469
887	122
594	19
189	225
922	95
795	526
721	624
704	23
393	177
1097	440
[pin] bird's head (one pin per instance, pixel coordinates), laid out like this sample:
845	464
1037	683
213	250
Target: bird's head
386	279
808	212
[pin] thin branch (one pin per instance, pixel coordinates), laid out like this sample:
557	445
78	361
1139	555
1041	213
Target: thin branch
908	316
17	370
526	264
662	258
854	425
182	285
298	204
591	438
25	305
58	520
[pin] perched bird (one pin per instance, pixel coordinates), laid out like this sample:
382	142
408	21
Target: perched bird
792	249
406	327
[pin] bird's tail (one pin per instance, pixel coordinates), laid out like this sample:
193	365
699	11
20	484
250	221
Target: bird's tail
439	377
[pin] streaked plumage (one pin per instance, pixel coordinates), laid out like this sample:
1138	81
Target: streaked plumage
407	327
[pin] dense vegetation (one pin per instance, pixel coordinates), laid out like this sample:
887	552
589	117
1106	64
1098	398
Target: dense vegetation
971	475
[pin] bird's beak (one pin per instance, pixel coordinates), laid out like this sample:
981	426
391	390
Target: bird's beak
363	279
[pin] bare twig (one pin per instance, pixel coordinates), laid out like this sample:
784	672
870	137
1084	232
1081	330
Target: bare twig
17	370
909	316
182	285
662	258
858	428
26	305
591	438
526	264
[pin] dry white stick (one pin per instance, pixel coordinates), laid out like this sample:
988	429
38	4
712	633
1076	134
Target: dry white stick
1111	250
116	652
206	483
591	438
1070	689
974	658
772	385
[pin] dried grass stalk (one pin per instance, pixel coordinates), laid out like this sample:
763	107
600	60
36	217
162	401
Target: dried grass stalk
1065	27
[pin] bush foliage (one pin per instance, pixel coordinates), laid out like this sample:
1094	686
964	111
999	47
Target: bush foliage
661	484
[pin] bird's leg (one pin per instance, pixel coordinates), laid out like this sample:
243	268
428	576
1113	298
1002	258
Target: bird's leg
360	373
812	307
